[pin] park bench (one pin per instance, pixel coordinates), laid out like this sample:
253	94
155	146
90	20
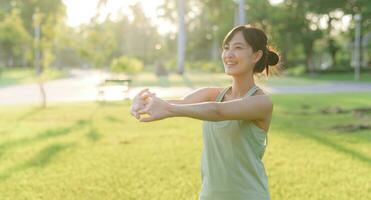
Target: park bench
123	82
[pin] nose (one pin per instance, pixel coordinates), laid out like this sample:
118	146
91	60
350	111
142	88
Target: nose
228	53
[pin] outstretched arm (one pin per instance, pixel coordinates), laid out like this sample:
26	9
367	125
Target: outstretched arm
247	108
203	94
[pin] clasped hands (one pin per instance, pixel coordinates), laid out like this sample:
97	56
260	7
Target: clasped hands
147	103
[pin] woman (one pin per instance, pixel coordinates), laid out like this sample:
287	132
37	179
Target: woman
236	119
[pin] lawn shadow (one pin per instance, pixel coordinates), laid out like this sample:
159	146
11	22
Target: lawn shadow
93	134
20	119
113	119
41	136
338	147
41	159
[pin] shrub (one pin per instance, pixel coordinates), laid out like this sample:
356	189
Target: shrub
296	71
126	64
206	66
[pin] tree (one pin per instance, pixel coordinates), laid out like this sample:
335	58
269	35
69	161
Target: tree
14	38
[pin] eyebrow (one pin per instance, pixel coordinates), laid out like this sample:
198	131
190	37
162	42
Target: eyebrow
237	43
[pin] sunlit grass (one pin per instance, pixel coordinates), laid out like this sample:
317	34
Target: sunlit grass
189	79
318	78
98	151
196	79
12	76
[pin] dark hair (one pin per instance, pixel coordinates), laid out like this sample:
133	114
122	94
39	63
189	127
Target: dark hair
257	39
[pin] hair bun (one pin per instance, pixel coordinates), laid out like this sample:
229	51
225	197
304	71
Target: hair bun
272	58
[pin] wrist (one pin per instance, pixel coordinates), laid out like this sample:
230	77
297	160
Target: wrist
172	110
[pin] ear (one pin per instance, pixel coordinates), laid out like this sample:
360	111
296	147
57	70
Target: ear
257	55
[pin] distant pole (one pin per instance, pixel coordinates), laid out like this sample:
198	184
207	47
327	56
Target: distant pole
240	15
181	37
37	50
36	23
241	12
357	47
39	69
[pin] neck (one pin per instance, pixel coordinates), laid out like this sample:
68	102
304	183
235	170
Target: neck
241	85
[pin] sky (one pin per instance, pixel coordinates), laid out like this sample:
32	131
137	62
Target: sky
81	11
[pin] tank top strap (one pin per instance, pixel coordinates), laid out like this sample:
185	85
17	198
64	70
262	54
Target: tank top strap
252	90
221	94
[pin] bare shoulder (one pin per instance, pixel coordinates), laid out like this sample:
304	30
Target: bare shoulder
214	91
264	99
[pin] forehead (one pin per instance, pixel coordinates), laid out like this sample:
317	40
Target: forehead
237	38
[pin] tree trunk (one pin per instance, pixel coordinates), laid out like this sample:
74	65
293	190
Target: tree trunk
181	37
43	94
309	62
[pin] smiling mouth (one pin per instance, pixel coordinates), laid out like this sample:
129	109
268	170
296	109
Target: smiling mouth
230	63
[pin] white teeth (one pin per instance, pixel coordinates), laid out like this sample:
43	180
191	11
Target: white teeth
231	63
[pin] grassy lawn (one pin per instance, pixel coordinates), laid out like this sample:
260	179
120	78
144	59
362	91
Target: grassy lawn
200	79
26	75
319	79
189	79
193	79
98	151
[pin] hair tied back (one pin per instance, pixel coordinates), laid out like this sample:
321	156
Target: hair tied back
272	58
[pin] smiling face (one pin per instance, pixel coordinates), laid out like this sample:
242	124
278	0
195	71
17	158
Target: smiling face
238	56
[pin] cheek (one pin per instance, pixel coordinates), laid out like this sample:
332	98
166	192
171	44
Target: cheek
244	57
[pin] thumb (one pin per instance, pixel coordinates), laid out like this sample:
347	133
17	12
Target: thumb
146	119
143	111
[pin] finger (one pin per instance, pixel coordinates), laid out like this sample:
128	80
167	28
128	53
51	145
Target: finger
146	119
142	106
143	111
140	93
146	95
143	91
135	114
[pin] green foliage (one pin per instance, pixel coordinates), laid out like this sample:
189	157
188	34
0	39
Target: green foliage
126	64
96	45
13	36
296	71
294	27
206	66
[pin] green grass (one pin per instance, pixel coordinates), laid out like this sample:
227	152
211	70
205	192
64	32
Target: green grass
98	151
15	76
189	79
195	79
348	76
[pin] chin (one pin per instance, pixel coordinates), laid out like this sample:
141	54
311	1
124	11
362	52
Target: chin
230	72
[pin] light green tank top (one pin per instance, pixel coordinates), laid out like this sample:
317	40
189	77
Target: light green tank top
231	165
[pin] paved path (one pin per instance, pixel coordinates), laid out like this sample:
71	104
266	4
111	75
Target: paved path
82	85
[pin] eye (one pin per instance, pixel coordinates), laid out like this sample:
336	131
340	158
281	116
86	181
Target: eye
225	47
238	47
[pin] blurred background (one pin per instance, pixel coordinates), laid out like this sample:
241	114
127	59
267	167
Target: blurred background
69	69
170	43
